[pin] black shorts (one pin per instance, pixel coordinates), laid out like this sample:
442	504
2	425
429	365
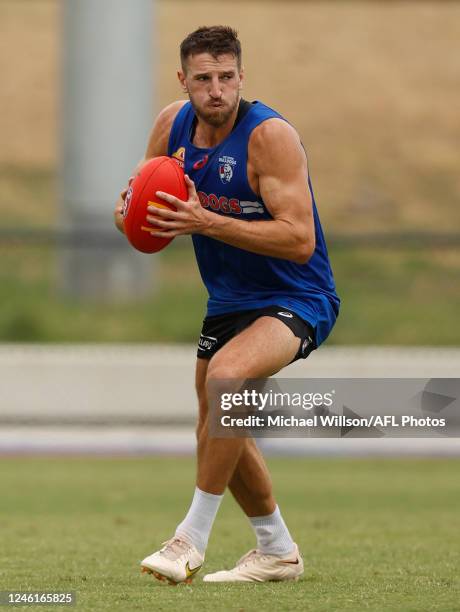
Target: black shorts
218	330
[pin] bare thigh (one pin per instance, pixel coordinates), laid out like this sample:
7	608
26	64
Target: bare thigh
260	350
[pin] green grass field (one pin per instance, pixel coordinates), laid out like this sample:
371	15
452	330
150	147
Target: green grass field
376	107
376	534
389	297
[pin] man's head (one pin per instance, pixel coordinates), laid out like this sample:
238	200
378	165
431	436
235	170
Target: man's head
211	72
215	40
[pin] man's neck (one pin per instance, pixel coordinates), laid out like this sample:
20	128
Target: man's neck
208	136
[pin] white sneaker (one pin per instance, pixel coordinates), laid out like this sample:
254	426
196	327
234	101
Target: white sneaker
178	561
256	566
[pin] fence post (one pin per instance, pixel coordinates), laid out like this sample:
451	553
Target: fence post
106	115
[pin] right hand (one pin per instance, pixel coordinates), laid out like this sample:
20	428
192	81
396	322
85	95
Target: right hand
118	212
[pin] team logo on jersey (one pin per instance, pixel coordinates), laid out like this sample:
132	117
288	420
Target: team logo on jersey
179	156
226	166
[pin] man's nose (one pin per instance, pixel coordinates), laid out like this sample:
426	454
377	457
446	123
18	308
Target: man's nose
216	90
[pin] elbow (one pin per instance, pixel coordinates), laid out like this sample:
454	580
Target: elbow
304	251
303	257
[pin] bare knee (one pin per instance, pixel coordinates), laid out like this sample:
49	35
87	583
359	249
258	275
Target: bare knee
222	377
206	373
220	369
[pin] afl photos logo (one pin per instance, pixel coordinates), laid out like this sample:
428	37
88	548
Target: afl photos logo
226	167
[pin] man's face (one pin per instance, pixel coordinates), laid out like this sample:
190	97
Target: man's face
213	86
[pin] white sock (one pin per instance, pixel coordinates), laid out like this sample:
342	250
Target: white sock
273	537
196	526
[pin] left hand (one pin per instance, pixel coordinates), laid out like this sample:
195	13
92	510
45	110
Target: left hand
190	217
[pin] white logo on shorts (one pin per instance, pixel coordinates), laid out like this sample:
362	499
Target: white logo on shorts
288	315
206	343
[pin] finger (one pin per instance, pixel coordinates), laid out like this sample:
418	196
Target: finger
162	223
167	213
155	220
190	186
169	234
171	199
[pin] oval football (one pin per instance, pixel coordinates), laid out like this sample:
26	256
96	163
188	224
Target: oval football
158	174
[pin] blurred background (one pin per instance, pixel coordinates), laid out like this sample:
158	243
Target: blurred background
97	342
372	88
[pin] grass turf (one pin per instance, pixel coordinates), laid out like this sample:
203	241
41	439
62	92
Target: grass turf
375	534
389	296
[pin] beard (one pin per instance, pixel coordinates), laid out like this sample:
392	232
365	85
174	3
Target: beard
216	116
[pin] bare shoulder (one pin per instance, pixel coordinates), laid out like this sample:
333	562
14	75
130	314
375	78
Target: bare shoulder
168	114
274	142
159	136
273	129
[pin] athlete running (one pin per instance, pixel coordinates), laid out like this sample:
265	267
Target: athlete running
272	300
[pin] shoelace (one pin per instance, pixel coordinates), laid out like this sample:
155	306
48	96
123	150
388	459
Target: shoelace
250	557
174	548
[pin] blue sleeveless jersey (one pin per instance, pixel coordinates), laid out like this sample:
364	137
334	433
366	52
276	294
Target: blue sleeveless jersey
237	279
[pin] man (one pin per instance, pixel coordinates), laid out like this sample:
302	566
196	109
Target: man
262	255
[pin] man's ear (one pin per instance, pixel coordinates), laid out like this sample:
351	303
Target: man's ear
181	77
241	75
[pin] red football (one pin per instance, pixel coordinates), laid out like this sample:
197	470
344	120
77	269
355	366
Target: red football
158	174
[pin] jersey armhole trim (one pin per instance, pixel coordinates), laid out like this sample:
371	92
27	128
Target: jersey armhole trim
184	109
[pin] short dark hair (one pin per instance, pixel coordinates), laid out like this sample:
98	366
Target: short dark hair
215	40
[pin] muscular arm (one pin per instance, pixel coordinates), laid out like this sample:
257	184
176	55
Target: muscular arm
157	145
277	159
